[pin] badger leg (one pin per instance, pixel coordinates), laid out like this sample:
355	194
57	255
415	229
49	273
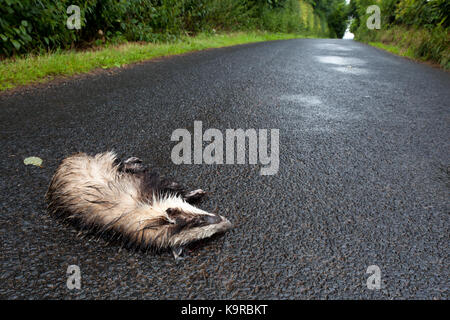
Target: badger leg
154	184
173	187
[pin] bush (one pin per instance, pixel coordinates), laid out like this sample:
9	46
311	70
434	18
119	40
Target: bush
282	19
25	24
418	27
40	25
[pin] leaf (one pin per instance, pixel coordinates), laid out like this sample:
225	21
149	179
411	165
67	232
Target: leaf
16	44
35	161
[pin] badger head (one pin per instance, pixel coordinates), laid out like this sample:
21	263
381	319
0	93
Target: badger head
187	224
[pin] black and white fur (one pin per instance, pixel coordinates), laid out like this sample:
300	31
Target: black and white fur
102	193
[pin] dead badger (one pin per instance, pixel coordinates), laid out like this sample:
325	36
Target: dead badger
101	193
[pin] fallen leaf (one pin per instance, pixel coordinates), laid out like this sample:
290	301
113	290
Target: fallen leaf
35	161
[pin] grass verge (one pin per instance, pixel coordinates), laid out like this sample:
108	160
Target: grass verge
420	44
43	68
394	49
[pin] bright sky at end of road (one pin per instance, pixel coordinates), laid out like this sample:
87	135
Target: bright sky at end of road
348	34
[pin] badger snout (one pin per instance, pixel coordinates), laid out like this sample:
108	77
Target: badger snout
223	224
213	219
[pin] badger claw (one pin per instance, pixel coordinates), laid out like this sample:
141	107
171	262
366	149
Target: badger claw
178	253
133	165
194	195
132	160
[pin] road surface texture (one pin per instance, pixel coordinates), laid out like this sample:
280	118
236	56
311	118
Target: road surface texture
363	177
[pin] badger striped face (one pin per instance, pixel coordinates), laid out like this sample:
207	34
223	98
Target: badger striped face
188	223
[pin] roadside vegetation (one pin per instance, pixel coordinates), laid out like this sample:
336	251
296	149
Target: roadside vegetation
418	29
36	45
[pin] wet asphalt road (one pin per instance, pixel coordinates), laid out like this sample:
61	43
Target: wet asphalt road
363	178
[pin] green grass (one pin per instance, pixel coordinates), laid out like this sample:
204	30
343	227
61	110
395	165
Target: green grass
393	49
43	68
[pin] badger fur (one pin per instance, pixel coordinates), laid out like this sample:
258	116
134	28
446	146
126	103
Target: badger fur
103	194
